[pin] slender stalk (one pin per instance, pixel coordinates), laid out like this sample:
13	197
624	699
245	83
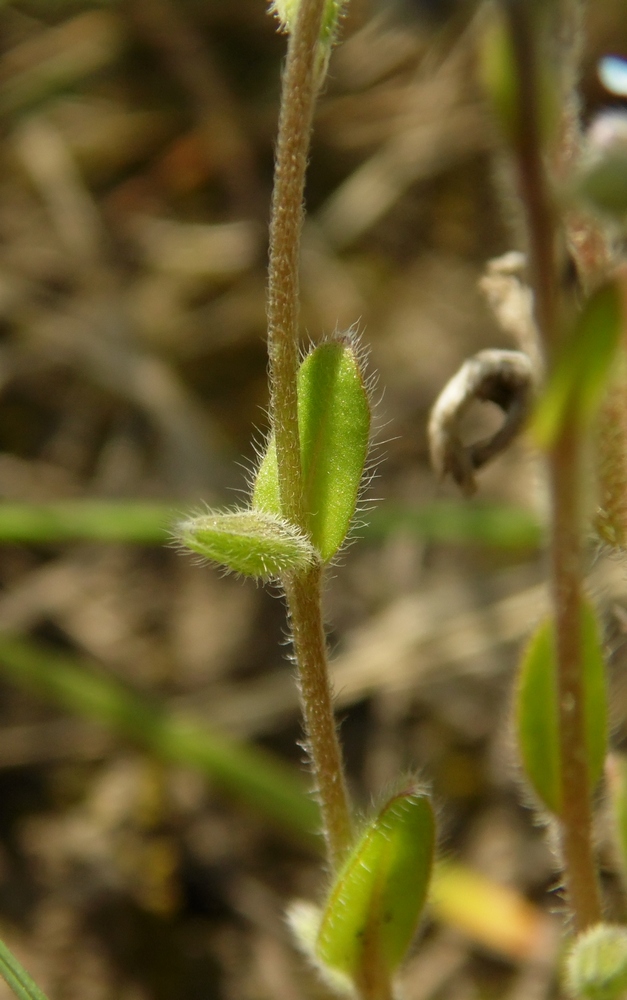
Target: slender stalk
540	215
564	471
303	595
576	814
300	85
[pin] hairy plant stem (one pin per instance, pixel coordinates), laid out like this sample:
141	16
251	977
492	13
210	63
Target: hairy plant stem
564	472
303	595
300	85
576	812
303	592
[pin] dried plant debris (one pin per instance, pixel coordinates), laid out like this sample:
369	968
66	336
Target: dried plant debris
511	300
502	377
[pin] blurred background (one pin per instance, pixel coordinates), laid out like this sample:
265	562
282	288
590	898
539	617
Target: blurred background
137	150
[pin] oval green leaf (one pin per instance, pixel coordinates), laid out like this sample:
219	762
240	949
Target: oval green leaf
334	426
580	375
376	902
537	710
247	542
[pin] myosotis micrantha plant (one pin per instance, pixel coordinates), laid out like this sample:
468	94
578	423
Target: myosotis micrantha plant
305	492
308	479
306	488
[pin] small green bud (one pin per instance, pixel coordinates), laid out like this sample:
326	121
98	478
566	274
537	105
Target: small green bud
286	11
248	542
596	968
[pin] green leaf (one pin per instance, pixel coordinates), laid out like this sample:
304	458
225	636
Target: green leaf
537	710
304	919
248	542
575	388
17	977
596	968
377	899
334	426
471	523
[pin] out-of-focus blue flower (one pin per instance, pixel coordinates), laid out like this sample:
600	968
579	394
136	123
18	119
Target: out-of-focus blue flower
612	72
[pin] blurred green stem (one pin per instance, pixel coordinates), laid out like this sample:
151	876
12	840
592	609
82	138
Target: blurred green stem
564	471
300	86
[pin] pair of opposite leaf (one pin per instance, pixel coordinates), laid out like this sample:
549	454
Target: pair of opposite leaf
334	430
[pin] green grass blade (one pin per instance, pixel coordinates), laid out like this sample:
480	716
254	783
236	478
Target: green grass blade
142	523
465	523
277	791
17	977
86	520
250	774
